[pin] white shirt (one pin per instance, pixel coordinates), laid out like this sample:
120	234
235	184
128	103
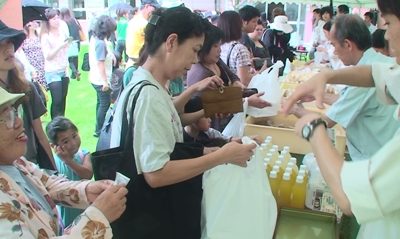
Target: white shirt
157	126
372	185
105	55
28	68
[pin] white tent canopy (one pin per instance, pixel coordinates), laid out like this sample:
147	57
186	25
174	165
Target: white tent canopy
350	3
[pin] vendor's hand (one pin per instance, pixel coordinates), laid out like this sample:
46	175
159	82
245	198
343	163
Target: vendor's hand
212	82
209	150
292	110
62	153
256	138
105	88
112	202
236	153
94	189
314	87
257	102
305	120
308	63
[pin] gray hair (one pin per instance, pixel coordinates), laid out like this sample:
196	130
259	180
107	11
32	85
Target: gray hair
352	28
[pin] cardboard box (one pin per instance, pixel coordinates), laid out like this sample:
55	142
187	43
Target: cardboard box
285	136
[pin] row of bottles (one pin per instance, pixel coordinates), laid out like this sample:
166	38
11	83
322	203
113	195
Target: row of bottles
288	182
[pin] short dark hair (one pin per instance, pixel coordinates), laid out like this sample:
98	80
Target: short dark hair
178	20
277	11
65	14
249	12
378	39
352	28
259	22
104	27
389	7
317	10
327	26
343	9
213	36
326	9
263	17
230	23
58	125
370	15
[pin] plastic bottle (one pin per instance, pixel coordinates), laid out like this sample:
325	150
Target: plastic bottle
284	191
294	161
279	163
292	175
278	171
281	158
276	147
292	166
304	175
267	148
270	159
304	168
268	138
298	195
274	183
286	154
275	155
268	167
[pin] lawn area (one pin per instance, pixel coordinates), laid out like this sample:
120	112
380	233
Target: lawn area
81	102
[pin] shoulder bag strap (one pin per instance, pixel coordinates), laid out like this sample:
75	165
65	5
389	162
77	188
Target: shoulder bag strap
229	53
126	129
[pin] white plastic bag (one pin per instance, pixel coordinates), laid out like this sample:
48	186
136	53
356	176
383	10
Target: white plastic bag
238	202
235	127
267	82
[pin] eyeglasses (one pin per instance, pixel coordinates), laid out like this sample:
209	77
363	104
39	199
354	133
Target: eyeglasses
10	118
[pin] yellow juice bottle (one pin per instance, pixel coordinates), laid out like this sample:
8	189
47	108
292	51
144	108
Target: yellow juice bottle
305	169
270	159
275	154
268	146
276	147
268	138
294	161
278	171
292	175
305	177
298	195
282	159
284	191
279	163
268	167
286	154
274	183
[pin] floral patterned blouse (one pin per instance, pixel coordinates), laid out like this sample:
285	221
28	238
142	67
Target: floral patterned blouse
20	217
33	51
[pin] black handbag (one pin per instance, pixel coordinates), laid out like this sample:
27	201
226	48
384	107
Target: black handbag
85	62
170	212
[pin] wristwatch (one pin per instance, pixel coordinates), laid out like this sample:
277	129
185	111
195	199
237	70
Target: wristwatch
309	128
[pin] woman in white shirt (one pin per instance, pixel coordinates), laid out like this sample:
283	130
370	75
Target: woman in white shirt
55	42
101	62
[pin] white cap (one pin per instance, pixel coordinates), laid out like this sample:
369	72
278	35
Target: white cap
267	160
290	165
304	168
267	141
299	179
286	176
6	97
272	151
288	170
275	168
278	163
286	148
269	155
276	147
273	174
281	158
263	145
293	160
301	173
269	138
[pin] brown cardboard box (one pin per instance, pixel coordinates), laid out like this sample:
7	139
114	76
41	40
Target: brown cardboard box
286	137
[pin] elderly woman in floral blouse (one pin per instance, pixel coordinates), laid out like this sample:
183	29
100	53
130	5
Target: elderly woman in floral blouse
28	195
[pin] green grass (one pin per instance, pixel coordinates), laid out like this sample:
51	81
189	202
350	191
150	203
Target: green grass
81	103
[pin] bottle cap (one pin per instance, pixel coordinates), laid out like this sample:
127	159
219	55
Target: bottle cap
267	141
275	168
304	168
288	170
286	148
273	174
301	173
267	160
281	158
293	160
269	155
290	165
299	179
276	147
272	151
278	163
286	176
269	138
263	145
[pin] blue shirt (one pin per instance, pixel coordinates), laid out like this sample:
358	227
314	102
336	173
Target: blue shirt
69	214
369	124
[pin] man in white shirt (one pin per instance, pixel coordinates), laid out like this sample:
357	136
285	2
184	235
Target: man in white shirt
368	18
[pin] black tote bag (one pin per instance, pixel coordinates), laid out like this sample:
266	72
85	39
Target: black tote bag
170	212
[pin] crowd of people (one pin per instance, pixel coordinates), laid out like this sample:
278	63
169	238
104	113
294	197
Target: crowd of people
40	168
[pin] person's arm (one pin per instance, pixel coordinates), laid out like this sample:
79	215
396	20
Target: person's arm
245	75
299	112
315	87
49	53
243	64
330	99
83	170
190	118
328	159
